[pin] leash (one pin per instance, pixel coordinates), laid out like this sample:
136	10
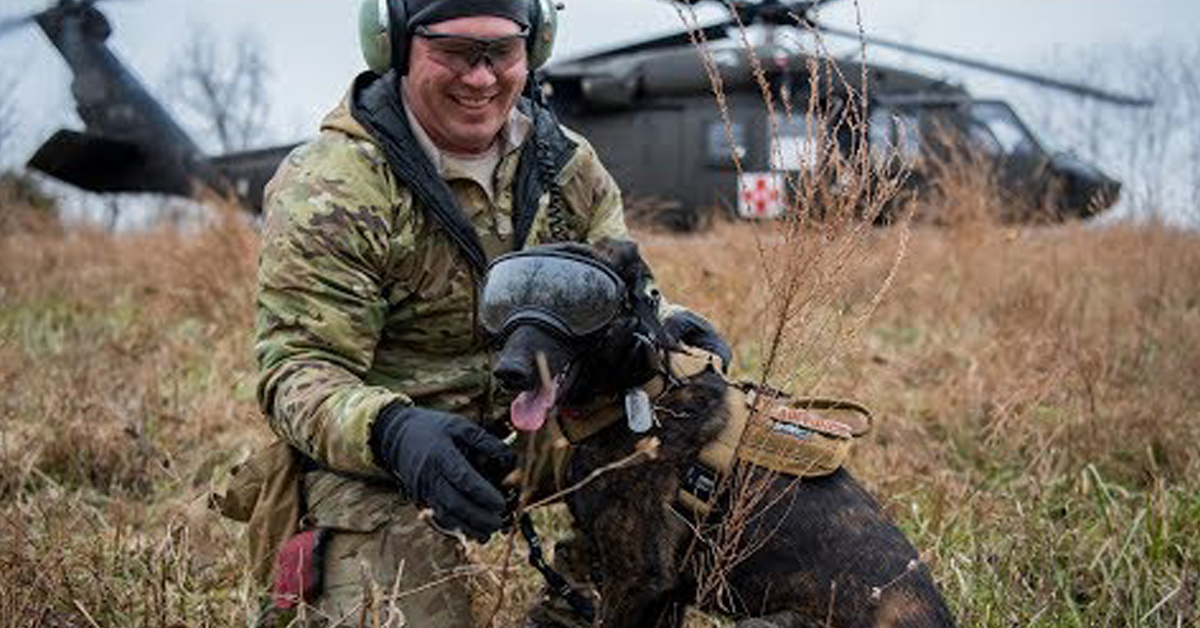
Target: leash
578	602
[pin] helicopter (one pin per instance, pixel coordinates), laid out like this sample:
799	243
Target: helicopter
130	143
649	109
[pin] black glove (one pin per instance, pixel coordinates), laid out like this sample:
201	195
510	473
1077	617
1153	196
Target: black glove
693	330
447	463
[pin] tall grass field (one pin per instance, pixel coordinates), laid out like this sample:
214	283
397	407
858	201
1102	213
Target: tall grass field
1036	393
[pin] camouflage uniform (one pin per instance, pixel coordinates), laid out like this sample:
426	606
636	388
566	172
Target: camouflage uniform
364	300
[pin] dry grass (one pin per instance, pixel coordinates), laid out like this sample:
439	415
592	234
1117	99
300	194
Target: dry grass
1038	408
1035	388
127	384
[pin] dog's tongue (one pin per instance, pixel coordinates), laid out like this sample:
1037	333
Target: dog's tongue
529	409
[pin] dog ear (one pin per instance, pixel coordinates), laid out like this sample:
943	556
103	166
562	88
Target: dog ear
621	256
644	298
618	360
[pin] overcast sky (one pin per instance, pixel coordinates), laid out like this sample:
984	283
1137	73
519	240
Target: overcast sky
313	51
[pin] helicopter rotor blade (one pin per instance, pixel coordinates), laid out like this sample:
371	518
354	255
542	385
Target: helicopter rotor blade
816	4
15	23
681	38
1044	81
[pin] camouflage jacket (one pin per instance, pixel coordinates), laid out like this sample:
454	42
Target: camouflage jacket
363	300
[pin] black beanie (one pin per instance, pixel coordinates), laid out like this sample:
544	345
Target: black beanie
424	12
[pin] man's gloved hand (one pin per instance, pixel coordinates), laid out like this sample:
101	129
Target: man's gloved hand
693	330
447	463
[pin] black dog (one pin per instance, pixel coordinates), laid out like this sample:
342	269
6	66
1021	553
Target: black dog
816	552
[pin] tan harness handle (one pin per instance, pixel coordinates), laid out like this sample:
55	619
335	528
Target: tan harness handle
758	398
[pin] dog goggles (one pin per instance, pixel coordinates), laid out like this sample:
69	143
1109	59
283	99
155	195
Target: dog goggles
568	293
461	53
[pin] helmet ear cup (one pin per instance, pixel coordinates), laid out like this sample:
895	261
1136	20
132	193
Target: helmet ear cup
382	46
373	38
543	28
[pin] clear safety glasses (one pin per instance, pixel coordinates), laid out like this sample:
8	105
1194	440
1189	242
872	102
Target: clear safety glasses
569	293
461	53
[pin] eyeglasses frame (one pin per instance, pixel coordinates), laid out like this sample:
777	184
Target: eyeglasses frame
482	50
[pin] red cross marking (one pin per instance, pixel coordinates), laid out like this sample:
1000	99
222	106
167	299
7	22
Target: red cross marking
761	197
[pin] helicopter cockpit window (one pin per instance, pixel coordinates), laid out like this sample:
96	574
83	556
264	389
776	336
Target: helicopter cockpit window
720	152
792	146
996	130
893	133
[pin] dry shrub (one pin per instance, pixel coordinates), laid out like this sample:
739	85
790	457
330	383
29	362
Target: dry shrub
962	192
797	304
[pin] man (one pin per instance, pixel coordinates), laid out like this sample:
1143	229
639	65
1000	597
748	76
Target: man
376	239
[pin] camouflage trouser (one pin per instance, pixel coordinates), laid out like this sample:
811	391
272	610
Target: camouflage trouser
384	566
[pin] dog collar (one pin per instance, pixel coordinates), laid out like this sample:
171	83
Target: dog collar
578	424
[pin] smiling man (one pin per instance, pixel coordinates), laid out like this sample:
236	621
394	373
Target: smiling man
464	97
373	370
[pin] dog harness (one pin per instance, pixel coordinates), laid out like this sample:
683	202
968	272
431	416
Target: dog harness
800	437
795	436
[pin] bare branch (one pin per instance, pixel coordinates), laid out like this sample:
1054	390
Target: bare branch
223	87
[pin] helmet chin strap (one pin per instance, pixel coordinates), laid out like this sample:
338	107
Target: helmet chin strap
533	89
547	172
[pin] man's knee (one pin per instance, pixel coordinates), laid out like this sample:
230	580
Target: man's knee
382	562
404	573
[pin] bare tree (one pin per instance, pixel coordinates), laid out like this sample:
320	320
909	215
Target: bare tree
223	87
